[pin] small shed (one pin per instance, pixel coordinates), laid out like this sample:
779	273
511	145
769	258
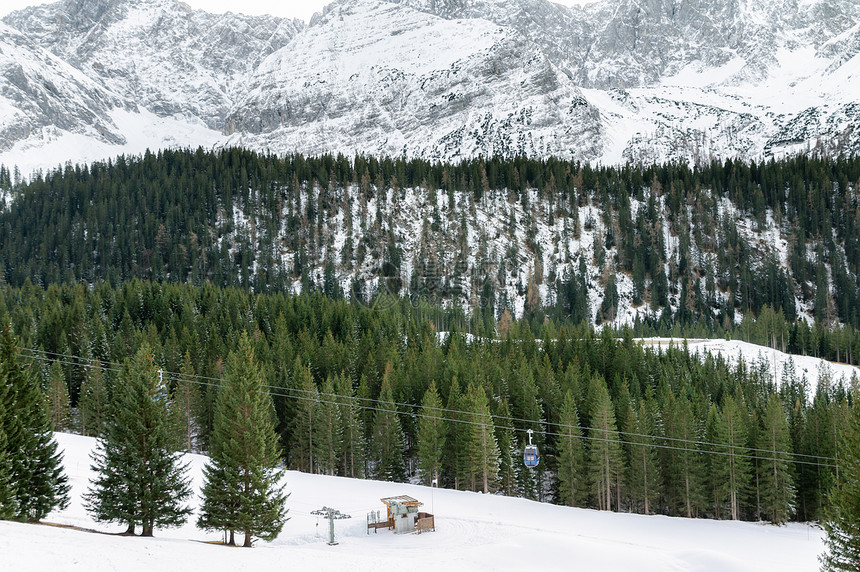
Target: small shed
402	515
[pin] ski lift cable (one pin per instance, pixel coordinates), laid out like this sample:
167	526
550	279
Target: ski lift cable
342	400
173	376
316	395
345	401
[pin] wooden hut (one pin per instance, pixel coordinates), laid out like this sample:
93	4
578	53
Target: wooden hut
403	515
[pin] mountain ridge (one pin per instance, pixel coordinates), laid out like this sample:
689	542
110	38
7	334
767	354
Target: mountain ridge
611	82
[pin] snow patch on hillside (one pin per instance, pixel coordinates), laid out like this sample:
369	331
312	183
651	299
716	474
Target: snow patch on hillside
779	366
49	148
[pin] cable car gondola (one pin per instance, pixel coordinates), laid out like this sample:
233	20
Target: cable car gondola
531	456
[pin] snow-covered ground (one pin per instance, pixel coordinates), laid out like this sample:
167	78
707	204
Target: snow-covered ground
50	148
774	362
474	532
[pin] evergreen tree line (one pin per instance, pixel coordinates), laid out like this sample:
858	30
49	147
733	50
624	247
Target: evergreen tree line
32	482
140	479
367	392
266	223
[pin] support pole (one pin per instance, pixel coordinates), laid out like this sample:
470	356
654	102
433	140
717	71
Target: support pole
331	514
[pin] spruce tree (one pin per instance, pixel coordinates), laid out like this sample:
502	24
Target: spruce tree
453	460
682	465
242	489
842	520
508	457
643	474
304	418
352	444
570	468
140	479
604	449
525	398
431	436
482	448
186	399
327	430
58	398
626	418
8	502
777	482
730	471
93	405
387	440
33	466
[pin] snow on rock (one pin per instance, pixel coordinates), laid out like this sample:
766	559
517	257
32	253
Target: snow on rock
618	81
41	93
370	76
474	532
159	54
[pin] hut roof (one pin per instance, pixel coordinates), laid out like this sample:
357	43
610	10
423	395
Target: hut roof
403	500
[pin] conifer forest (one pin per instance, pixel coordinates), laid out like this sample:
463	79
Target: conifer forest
403	356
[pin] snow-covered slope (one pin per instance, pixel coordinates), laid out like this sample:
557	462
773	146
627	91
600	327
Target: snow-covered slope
615	81
474	532
776	365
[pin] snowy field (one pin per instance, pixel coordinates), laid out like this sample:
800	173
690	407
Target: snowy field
474	532
775	362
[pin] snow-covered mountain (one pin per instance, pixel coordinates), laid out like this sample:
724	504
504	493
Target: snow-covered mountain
39	91
159	54
417	85
615	81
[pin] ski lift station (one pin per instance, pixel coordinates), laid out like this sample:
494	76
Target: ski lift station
402	514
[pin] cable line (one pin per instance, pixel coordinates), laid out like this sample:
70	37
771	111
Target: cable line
351	401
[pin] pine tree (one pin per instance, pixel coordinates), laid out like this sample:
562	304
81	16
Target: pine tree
304	418
58	398
604	450
431	436
842	518
570	454
352	444
387	440
327	430
186	399
140	479
777	482
242	489
34	472
482	449
93	405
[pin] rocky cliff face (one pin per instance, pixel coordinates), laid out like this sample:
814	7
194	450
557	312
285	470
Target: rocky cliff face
159	54
418	85
616	81
636	43
39	91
